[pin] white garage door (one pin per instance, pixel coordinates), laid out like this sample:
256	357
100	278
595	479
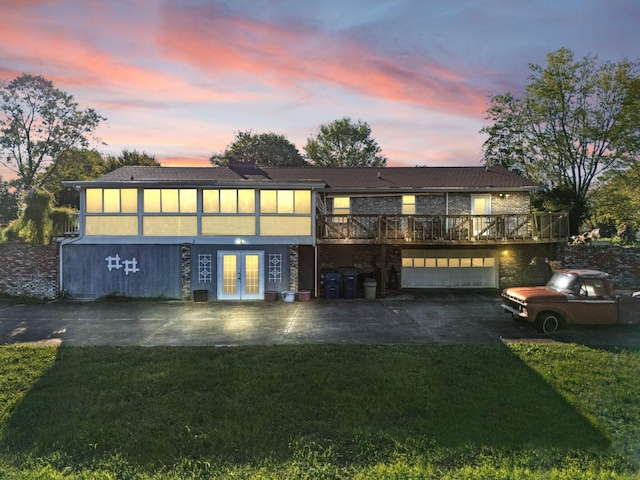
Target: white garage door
449	268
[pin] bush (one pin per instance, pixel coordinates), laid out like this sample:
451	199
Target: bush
35	224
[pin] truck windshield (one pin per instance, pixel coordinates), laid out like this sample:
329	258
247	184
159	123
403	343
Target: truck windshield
562	282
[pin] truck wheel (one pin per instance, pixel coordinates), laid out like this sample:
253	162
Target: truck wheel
548	322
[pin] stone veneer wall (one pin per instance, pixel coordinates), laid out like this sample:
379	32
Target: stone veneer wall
29	270
185	270
293	267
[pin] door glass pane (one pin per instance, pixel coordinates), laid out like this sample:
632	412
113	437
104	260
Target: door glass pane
252	274
229	274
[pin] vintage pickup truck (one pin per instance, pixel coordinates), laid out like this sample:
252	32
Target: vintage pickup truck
572	296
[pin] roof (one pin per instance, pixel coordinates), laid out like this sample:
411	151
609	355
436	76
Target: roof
342	178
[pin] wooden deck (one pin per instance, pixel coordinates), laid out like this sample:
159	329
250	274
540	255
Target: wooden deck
442	229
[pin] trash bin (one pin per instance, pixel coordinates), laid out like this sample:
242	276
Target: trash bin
331	286
370	288
349	282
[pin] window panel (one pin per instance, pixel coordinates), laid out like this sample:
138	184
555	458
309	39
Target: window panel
111	225
111	200
188	200
341	205
228	225
167	225
228	201
285	225
170	200
408	204
94	200
285	201
477	262
129	200
407	262
211	201
430	262
303	201
443	262
246	201
152	200
489	262
268	201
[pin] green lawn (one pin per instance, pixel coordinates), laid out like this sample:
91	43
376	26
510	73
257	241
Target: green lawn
519	411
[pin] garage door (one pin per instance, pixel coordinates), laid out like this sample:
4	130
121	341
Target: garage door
449	268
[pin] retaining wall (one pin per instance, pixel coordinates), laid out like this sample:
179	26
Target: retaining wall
29	270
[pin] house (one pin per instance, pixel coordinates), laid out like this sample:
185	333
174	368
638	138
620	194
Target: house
237	232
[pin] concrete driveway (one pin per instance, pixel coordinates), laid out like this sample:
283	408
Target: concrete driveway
413	317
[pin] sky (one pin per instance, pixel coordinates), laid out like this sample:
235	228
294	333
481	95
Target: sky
178	79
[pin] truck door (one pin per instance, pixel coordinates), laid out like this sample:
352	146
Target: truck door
593	305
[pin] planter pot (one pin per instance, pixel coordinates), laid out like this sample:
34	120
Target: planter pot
270	296
288	296
304	295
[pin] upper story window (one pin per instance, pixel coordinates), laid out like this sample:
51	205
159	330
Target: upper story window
229	200
341	206
408	204
170	200
112	200
292	202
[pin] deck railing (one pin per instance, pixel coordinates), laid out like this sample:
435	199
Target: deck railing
67	225
432	229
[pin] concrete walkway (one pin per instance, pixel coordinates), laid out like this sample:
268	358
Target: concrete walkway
425	317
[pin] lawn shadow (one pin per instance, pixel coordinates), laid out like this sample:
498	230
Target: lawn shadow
157	406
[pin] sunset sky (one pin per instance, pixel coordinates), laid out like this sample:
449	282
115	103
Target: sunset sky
177	79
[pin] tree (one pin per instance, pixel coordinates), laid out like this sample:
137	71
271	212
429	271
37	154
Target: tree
575	121
616	200
74	164
38	123
8	203
344	143
265	149
127	158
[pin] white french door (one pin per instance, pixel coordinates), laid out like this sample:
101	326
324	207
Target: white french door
240	275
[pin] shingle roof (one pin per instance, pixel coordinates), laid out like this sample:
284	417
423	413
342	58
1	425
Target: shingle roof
388	178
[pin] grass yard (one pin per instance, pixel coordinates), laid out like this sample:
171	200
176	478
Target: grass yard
520	411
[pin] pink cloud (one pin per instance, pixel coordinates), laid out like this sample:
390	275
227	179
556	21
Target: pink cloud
223	45
70	61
